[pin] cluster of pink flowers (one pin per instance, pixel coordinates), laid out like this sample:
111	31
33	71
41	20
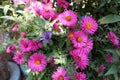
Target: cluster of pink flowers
81	42
27	45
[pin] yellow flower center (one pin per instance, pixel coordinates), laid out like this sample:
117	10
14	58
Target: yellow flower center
89	25
46	10
70	35
79	39
38	62
68	18
61	78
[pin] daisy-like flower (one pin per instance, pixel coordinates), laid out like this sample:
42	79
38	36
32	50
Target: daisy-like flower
25	45
89	25
47	11
114	39
71	35
46	36
101	68
35	45
10	48
68	18
80	58
34	7
88	46
37	62
57	28
52	61
80	76
19	58
109	58
79	39
60	74
63	3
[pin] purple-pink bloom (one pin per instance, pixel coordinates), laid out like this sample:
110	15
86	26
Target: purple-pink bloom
101	68
109	58
63	3
23	34
19	58
35	44
114	39
57	27
15	28
34	6
89	25
46	36
10	48
80	58
60	74
37	62
79	39
52	61
68	18
87	46
25	45
80	76
47	11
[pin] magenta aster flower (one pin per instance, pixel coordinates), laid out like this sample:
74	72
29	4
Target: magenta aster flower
34	7
68	18
87	46
47	11
80	76
10	48
57	28
79	39
60	74
80	58
46	1
109	58
63	3
37	62
25	45
15	28
52	61
101	68
35	45
71	35
19	58
114	39
89	25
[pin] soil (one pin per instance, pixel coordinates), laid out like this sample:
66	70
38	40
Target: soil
4	72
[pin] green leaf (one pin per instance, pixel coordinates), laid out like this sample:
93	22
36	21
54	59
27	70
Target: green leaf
112	70
109	19
6	8
116	76
8	17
